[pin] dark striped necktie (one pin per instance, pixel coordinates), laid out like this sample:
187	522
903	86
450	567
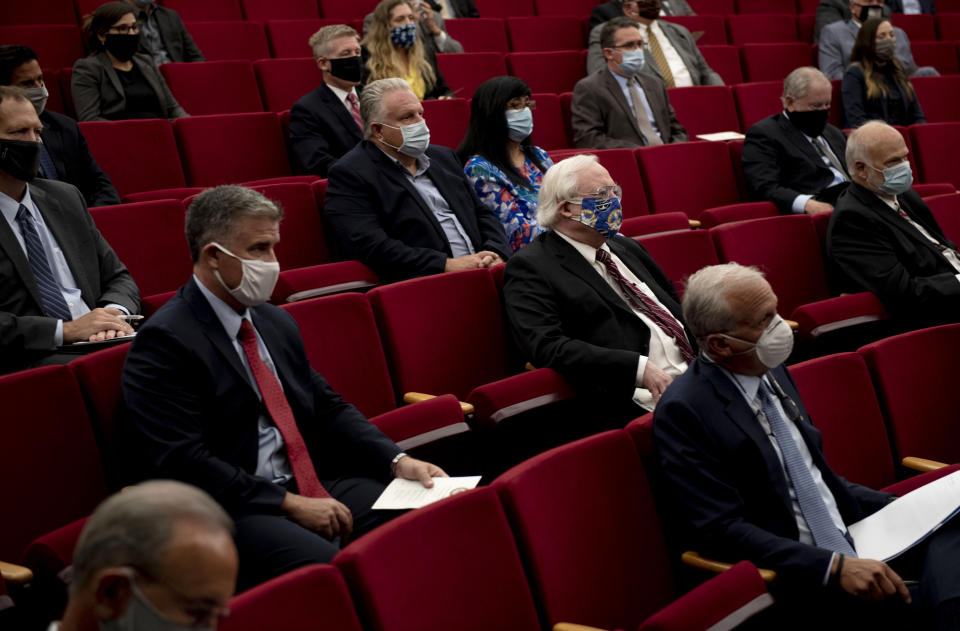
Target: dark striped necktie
51	294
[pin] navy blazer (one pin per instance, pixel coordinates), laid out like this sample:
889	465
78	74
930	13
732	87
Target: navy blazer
321	131
190	413
858	109
75	165
724	483
381	220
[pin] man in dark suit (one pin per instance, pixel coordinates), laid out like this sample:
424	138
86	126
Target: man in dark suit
218	392
163	35
795	158
67	157
624	104
59	280
402	206
744	475
326	123
614	332
882	238
615	8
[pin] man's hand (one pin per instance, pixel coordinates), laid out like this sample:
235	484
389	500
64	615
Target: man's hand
99	324
655	380
488	258
870	580
426	16
320	514
412	469
484	258
813	207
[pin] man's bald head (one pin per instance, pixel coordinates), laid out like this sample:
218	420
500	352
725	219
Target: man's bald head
871	148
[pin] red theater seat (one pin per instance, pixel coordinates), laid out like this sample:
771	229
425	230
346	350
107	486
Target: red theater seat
934	147
53	12
464	72
579	8
720	115
448	121
755	101
199	10
344	10
549	126
762	28
120	146
946	210
504	8
948	25
667	171
545	33
214	87
920	27
712	27
302	241
479	34
52	83
737	212
262	10
725	61
680	254
283	81
713	7
557	71
288	38
940	55
222	41
773	62
766	6
56	45
938	96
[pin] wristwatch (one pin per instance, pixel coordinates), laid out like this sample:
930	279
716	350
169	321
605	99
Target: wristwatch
393	463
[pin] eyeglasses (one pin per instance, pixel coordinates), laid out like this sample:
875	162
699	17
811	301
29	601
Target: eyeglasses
629	46
603	192
125	29
519	105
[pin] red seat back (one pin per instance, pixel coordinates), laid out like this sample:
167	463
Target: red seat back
479	35
280	9
302	241
755	101
545	33
622	166
346	9
712	7
707	163
725	61
448	121
766	6
56	45
549	126
712	27
919	27
688	103
737	212
464	72
579	8
221	41
680	254
773	62
283	81
199	10
120	146
939	97
940	55
214	87
54	12
52	83
504	8
946	210
948	25
288	38
934	147
557	71
761	28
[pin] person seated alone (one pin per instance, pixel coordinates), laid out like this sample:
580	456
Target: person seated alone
606	11
163	35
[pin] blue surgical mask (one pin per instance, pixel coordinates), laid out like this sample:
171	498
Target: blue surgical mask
519	124
896	179
404	36
633	61
602	214
416	139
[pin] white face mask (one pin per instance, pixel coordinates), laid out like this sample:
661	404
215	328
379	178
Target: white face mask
774	345
416	139
258	280
38	96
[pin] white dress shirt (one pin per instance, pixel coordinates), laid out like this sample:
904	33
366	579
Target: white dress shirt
681	75
342	96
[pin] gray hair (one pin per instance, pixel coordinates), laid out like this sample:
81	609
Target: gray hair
135	527
798	82
13	93
371	100
610	28
706	302
858	149
320	41
213	215
560	184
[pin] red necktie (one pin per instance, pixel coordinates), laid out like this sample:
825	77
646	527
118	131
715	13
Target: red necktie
279	410
355	108
643	303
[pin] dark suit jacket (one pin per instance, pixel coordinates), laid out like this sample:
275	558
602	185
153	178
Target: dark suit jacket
321	131
857	109
381	220
190	414
602	118
614	8
779	163
68	149
467	9
564	316
180	46
98	94
926	6
870	248
26	335
726	487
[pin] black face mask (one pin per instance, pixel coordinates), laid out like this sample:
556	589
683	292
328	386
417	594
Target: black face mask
867	12
347	68
649	9
122	46
811	123
20	159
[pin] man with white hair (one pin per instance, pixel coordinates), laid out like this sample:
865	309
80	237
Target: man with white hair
403	206
795	158
883	238
744	475
159	555
592	304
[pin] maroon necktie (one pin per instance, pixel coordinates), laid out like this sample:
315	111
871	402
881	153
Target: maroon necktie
644	304
355	109
279	410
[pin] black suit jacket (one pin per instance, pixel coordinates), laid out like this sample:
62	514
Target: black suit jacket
926	6
381	220
321	131
779	163
725	485
190	414
871	248
68	149
466	9
175	37
614	8
26	335
563	315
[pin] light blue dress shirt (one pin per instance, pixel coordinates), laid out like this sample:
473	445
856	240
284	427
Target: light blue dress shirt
838	176
625	86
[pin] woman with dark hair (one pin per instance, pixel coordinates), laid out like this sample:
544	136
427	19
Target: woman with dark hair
875	86
501	163
115	81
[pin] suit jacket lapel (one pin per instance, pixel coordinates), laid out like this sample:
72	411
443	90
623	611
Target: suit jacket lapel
888	215
800	141
11	247
75	257
212	328
149	73
640	271
112	74
335	106
613	87
574	263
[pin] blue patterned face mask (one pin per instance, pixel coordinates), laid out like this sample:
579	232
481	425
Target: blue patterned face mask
404	36
603	214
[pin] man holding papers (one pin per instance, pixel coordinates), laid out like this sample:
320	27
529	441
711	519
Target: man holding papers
746	477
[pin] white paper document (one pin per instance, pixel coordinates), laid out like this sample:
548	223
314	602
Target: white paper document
904	523
722	135
403	494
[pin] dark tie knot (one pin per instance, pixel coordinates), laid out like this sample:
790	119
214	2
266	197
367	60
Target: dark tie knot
23	213
246	331
602	255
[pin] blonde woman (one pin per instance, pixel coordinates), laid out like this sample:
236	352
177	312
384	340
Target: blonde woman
394	49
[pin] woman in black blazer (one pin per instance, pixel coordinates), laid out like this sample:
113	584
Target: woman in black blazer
115	82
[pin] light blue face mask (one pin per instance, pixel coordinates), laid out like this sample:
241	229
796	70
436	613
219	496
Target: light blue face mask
519	124
633	61
896	179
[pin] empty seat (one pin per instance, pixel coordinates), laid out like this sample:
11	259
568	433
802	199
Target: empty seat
622	166
283	81
302	241
805	27
773	62
504	8
52	83
346	9
755	101
557	71
737	212
932	189
712	27
221	41
761	28
545	33
56	45
920	27
934	147
654	224
940	55
725	61
464	72
938	96
680	254
712	7
214	87
946	210
579	8
53	12
448	120
689	105
200	10
549	126
479	35
766	6
288	38
668	170
948	25
120	146
262	10
231	148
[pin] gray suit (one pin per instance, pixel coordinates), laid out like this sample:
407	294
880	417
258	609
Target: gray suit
830	11
98	94
26	335
602	118
836	44
680	38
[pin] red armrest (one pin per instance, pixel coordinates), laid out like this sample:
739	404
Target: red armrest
322	280
499	400
823	316
424	422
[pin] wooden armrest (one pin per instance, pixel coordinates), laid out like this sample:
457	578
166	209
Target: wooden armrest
569	626
693	559
793	324
15	574
530	367
922	464
416	397
694	223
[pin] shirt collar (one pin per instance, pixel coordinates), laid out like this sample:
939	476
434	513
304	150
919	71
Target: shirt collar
423	163
9	206
747	384
229	319
621	80
341	94
587	251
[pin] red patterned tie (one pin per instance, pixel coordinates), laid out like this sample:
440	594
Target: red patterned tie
643	303
282	415
355	108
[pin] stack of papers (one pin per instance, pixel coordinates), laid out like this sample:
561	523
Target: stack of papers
405	494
